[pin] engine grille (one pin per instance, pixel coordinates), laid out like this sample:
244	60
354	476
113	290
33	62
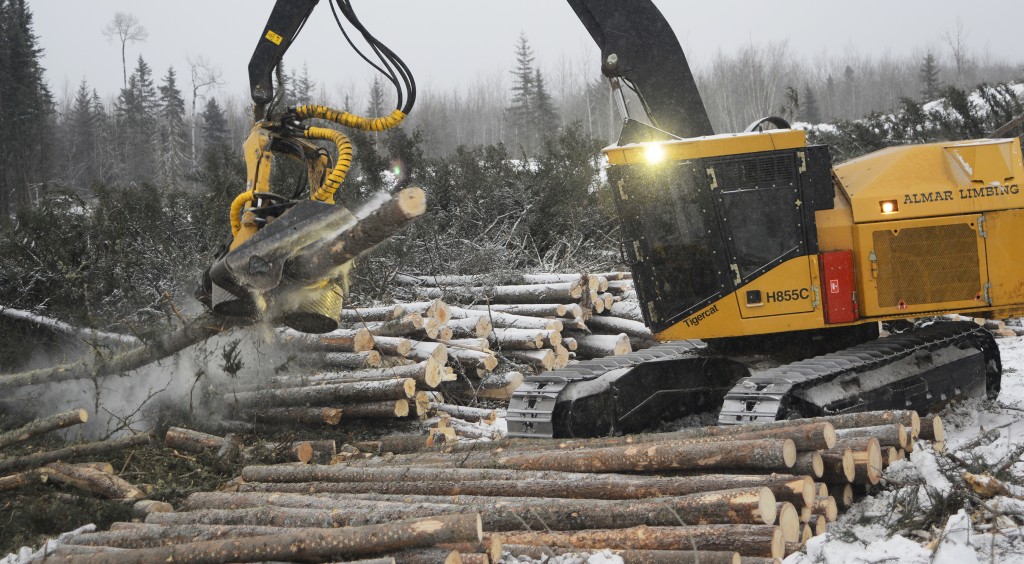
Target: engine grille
925	265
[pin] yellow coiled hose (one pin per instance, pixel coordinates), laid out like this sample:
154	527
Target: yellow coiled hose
350	120
325	193
236	210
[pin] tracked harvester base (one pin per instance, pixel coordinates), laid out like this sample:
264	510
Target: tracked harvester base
627	393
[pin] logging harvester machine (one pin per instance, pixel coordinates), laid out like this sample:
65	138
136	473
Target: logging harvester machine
744	247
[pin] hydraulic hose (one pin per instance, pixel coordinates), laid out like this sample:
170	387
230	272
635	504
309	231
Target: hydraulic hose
325	193
236	210
350	120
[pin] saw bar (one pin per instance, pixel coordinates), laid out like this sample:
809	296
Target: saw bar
912	370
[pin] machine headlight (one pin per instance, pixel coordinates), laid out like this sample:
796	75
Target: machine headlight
654	153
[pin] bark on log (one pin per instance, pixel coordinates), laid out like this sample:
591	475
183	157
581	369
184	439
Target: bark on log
329	394
627	310
508	320
470	414
570	311
932	429
894	435
511	294
410	325
432	555
570	343
423	350
842	494
195	331
145	535
543	359
377	221
499	386
92	481
344	361
682	556
553	278
473	360
392	346
188	440
744	506
597	346
809	463
407	480
44	425
766	454
363	314
470	327
74	334
434	308
754	540
387	409
22	479
517	339
617	275
309	545
838	465
825	506
344	340
428	373
300	415
471	431
68	453
616	325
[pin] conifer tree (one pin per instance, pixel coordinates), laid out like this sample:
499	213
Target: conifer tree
545	117
929	73
172	134
215	125
83	138
26	109
810	112
520	113
135	112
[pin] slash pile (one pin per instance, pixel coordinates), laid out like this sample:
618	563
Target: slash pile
710	494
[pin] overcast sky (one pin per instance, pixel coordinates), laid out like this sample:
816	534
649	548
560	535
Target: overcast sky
449	42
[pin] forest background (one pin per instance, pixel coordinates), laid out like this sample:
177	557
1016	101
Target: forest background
112	203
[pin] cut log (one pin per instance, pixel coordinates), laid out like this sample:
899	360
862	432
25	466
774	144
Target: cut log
44	425
547	278
363	314
377	221
423	350
894	435
616	325
627	310
307	545
428	373
766	454
387	409
825	506
932	430
744	506
436	309
890	455
432	555
473	360
508	320
683	556
842	494
753	540
543	359
345	340
144	507
517	294
518	339
38	459
597	346
472	343
788	520
471	431
470	327
408	324
867	460
22	479
392	346
570	343
188	440
344	361
93	481
561	356
798	490
809	463
838	465
300	415
330	394
470	414
569	311
101	466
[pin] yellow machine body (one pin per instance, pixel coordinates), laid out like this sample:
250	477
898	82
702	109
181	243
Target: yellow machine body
933	229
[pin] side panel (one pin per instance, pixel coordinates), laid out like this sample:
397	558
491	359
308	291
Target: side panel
1004	246
921	265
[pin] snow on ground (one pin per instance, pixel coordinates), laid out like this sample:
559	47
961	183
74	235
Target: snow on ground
893	525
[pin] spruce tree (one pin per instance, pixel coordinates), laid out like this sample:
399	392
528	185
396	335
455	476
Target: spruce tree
810	112
929	73
376	106
26	110
83	138
520	113
135	112
545	117
172	134
215	125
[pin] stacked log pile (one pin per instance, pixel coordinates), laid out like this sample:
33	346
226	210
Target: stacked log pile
709	494
18	470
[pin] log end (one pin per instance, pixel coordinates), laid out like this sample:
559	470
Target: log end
401	408
817	465
789	522
829	432
821	527
788	452
494	551
831	509
849	468
874	462
412	202
303	452
778	546
915	423
331	415
938	430
83	415
409	386
766	505
807	490
807	535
